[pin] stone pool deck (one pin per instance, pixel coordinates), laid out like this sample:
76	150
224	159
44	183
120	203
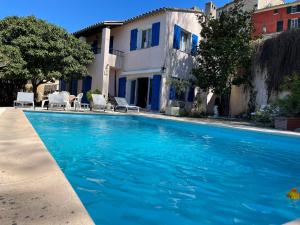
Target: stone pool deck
33	189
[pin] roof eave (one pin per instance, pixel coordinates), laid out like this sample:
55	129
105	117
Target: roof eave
99	25
277	7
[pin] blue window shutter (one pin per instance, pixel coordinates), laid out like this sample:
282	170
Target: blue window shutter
74	86
194	44
176	41
155	34
132	92
191	94
122	87
86	86
155	99
62	85
172	94
133	39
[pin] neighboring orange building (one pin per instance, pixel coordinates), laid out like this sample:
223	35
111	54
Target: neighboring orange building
276	19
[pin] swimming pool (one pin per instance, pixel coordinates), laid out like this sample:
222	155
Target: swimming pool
132	170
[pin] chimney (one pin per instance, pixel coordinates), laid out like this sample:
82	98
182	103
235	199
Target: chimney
211	10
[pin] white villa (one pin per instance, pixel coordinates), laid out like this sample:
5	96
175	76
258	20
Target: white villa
136	58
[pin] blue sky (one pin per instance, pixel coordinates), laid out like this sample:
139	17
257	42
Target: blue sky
76	14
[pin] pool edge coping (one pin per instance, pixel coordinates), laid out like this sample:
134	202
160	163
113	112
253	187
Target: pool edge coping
71	201
180	119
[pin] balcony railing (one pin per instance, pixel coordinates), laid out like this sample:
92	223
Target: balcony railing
111	51
116	52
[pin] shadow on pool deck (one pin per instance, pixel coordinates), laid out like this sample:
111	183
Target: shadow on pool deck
33	189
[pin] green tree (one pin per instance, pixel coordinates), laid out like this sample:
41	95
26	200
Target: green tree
224	54
41	52
11	63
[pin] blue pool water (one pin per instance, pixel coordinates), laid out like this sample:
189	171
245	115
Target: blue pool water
132	170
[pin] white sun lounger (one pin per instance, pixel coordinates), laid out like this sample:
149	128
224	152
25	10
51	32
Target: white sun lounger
99	101
24	98
59	99
122	103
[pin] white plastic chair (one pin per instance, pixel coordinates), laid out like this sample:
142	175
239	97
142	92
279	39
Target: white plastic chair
122	103
99	101
24	98
77	102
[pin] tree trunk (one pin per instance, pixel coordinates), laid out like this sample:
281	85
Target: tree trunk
225	102
34	90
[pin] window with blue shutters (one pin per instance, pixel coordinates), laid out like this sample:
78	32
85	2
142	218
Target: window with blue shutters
184	40
155	34
133	39
194	44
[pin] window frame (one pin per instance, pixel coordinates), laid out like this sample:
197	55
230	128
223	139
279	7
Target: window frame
294	9
188	40
279	21
294	23
148	35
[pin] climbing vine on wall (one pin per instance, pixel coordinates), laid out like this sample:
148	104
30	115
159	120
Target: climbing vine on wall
281	57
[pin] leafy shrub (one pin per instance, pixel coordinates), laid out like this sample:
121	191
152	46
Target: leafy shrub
266	115
290	105
89	94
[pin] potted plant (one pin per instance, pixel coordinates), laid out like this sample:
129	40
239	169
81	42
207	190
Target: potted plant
289	106
176	105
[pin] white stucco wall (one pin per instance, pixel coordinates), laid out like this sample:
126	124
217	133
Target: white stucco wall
94	70
268	3
140	59
180	64
239	99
